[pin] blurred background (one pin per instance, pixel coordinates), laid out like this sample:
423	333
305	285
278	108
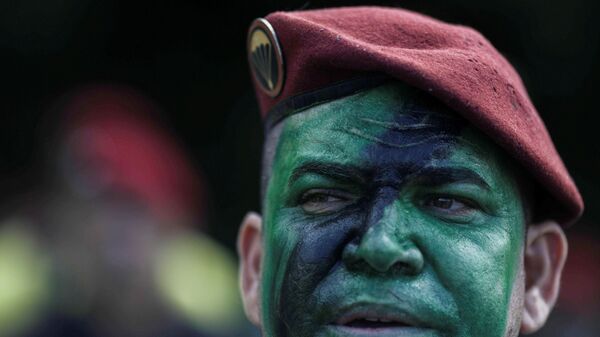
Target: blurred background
130	144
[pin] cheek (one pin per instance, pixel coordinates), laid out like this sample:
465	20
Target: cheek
280	241
302	256
479	269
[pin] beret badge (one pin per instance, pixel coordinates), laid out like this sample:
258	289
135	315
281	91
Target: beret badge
265	58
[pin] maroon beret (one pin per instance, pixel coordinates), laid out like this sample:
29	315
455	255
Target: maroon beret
303	58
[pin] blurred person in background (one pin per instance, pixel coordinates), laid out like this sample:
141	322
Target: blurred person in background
115	244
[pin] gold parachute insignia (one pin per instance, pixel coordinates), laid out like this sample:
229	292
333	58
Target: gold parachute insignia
264	56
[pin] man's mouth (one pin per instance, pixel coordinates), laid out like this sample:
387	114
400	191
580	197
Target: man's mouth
379	320
374	323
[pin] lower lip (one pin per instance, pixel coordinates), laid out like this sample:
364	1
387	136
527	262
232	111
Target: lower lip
400	331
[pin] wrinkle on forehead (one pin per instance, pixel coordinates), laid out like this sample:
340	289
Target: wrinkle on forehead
373	138
393	111
397	126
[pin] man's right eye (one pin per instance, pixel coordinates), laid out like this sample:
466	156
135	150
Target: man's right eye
320	201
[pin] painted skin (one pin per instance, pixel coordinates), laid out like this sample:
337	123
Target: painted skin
387	215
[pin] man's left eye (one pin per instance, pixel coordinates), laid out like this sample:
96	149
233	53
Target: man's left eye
448	204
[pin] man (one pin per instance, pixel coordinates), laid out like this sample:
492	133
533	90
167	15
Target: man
409	186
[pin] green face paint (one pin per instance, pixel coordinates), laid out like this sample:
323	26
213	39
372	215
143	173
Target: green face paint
387	215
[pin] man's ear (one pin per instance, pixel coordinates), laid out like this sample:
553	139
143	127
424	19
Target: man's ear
545	256
250	251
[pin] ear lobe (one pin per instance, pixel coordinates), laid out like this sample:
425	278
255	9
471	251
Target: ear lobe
545	256
250	251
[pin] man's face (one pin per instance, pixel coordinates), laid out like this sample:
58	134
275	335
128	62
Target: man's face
388	215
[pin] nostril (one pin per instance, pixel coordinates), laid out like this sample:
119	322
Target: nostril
404	268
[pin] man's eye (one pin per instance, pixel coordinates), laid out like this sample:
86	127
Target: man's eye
448	204
324	201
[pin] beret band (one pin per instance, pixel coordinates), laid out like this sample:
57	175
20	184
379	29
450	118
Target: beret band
295	104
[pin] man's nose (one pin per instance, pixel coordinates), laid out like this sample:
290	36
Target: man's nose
386	246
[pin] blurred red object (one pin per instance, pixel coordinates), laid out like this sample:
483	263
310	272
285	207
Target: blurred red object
115	136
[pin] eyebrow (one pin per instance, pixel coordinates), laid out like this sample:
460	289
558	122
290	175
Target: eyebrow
335	171
427	176
437	176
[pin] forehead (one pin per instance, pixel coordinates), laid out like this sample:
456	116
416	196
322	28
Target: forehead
387	125
391	128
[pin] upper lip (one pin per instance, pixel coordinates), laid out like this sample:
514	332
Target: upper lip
377	312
